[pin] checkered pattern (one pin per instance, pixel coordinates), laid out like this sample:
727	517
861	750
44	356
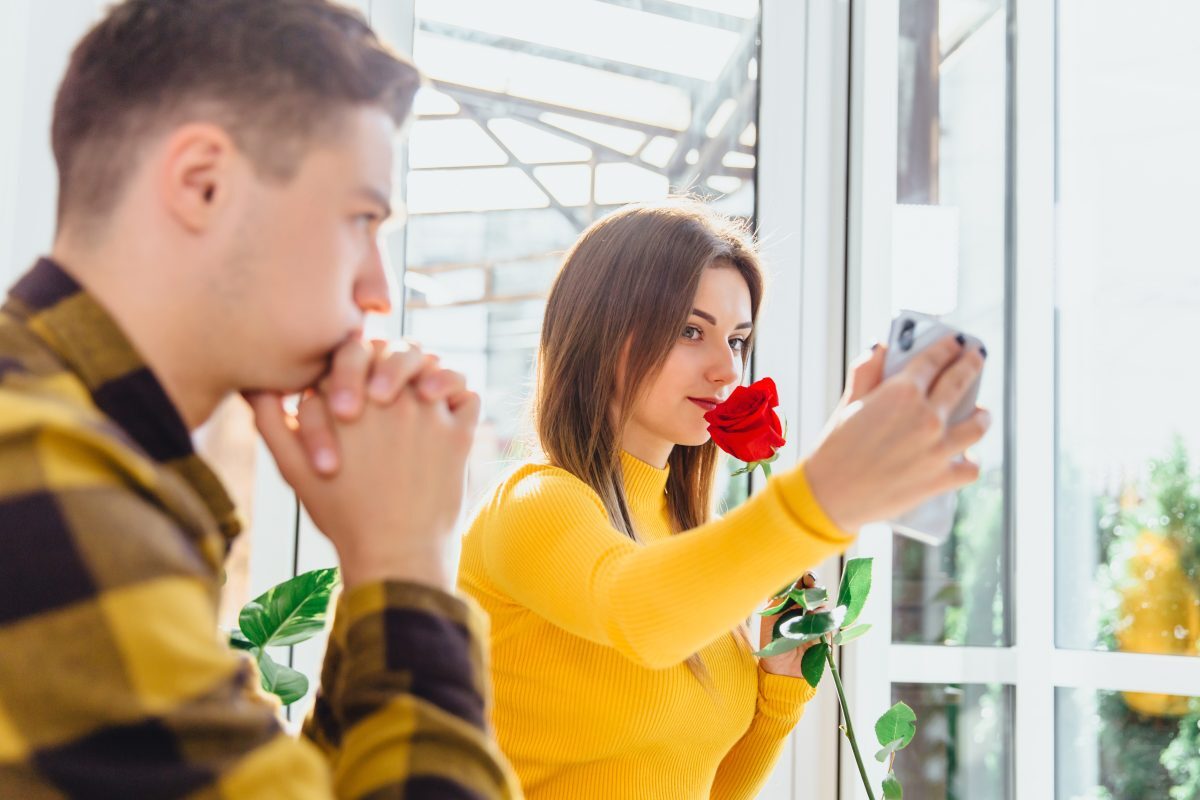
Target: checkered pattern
113	680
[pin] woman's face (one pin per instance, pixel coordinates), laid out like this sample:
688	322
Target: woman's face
702	369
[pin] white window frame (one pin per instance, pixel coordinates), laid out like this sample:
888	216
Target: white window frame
1033	666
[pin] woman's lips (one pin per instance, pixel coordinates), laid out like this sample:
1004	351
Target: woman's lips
707	405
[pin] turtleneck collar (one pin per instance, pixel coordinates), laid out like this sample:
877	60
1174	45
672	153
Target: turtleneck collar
645	485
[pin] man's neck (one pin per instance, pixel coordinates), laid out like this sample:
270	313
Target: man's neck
144	305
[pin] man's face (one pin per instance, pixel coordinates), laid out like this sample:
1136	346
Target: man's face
304	263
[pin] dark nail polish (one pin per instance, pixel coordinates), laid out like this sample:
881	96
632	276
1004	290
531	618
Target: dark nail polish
983	351
962	340
874	346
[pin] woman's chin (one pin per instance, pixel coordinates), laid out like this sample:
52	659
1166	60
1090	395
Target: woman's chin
695	438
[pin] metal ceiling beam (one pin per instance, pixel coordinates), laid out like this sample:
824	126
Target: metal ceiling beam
531	108
700	16
558	54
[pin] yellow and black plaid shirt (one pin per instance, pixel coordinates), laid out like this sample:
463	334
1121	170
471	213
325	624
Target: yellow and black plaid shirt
113	680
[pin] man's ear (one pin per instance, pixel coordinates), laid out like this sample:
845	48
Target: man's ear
197	173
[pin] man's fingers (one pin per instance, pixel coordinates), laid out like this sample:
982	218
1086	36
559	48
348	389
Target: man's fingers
441	384
278	431
927	365
389	376
954	382
465	407
316	434
344	386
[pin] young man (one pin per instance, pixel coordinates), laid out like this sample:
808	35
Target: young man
224	167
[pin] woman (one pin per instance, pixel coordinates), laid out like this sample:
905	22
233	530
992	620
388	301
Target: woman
617	604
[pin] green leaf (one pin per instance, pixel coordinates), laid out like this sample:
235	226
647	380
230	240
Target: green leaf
888	749
892	790
813	624
289	612
812	665
238	641
812	598
856	585
898	722
797	594
785	617
781	646
280	680
786	589
776	609
850	634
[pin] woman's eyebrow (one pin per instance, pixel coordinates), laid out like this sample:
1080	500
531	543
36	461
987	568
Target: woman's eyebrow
711	320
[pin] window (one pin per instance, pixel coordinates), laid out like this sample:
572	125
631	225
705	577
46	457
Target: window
541	117
1049	647
1128	437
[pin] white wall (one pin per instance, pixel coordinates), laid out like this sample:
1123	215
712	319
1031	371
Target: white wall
36	38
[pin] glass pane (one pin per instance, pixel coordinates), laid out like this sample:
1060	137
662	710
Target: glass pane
542	116
949	258
1128	291
1117	745
962	750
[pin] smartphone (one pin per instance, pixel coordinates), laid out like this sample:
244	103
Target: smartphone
912	331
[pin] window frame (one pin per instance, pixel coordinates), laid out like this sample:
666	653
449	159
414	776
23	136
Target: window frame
1033	665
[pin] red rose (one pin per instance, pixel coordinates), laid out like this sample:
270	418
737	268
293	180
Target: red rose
745	425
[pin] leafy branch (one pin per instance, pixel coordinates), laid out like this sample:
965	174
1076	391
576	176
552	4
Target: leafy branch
286	614
799	624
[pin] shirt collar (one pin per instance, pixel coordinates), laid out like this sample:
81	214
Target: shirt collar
88	340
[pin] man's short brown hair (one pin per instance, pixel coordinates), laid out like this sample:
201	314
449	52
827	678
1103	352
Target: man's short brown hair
273	73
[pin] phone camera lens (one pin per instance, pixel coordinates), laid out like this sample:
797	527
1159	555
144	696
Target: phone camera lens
906	335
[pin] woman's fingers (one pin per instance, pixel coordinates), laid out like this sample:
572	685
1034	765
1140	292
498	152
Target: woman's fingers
966	433
954	382
865	374
927	365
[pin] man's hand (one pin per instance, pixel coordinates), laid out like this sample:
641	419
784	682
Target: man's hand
392	495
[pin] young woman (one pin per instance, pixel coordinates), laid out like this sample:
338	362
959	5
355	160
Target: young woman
617	603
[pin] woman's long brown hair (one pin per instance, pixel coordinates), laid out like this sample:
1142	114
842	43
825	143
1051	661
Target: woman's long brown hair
628	286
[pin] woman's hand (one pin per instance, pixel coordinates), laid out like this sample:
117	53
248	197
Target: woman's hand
786	663
888	446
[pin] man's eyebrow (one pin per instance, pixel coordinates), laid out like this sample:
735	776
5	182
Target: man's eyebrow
376	196
711	320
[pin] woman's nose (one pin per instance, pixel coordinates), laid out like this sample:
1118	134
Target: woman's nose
726	366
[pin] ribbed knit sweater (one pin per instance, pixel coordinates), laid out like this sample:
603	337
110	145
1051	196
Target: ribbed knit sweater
591	630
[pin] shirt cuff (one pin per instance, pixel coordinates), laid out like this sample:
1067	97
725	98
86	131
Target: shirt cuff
782	696
798	498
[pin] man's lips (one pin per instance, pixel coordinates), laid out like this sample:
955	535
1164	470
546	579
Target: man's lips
706	404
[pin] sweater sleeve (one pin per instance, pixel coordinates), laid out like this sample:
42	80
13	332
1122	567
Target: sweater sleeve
781	703
551	548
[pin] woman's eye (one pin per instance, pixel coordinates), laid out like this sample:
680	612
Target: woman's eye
738	344
691	332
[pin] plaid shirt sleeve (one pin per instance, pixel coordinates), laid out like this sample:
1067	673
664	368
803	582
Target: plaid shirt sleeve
113	682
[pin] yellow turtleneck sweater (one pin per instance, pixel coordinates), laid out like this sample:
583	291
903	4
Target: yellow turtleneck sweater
590	632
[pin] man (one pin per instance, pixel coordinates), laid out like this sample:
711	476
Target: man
224	167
